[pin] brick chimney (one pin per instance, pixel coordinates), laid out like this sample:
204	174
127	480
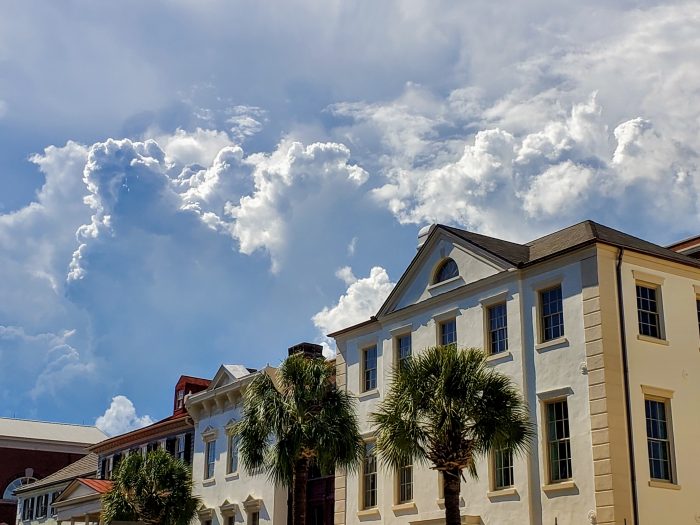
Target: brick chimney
308	349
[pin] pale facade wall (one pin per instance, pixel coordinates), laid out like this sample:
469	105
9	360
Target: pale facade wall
540	371
237	487
673	365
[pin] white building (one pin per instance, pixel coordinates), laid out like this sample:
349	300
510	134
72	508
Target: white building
229	494
559	315
36	500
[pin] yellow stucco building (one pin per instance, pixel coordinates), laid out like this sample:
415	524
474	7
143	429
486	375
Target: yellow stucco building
601	332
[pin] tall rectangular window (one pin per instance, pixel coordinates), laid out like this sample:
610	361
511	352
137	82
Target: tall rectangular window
559	441
406	483
209	459
498	328
41	504
658	439
180	448
648	311
369	368
254	518
369	477
551	313
403	347
503	472
233	442
448	332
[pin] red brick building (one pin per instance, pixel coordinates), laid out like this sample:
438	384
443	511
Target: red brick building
31	450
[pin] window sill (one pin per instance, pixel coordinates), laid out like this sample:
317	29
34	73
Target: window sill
232	476
664	485
502	493
559	487
559	341
499	357
655	340
209	482
369	394
440	502
404	507
369	513
435	286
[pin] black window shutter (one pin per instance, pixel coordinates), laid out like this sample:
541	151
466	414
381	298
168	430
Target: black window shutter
103	468
170	446
188	448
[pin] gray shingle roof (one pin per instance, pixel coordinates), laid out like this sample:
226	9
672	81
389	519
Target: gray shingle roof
85	466
575	236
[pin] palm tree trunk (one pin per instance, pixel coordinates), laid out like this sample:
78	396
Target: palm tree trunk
451	483
299	482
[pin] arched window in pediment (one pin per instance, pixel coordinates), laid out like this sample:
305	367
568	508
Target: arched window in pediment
446	270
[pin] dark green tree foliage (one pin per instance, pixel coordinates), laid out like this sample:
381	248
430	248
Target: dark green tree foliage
156	490
446	407
296	418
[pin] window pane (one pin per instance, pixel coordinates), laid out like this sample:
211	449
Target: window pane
403	346
233	454
370	368
406	483
448	270
448	332
369	474
503	469
658	440
552	313
498	328
558	438
648	311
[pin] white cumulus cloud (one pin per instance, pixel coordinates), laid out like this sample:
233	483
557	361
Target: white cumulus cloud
361	300
121	417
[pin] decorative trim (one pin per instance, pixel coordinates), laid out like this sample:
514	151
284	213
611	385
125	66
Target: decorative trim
494	359
492	300
369	394
205	513
401	330
555	394
559	341
502	493
664	485
209	434
449	314
230	426
657	392
559	487
228	509
648	277
404	507
369	513
655	340
431	288
548	282
252	504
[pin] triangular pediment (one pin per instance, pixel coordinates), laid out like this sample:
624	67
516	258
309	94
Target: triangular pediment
417	284
228	374
76	489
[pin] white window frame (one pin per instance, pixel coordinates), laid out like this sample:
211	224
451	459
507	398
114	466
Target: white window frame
209	447
363	475
665	396
363	368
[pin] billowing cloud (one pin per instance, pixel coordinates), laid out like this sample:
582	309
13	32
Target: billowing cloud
362	299
121	417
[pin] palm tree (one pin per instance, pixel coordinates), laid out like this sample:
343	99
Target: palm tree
296	418
446	407
156	490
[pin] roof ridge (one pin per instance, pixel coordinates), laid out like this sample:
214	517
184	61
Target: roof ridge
48	422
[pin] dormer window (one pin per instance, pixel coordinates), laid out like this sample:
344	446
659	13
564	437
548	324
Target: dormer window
180	399
447	270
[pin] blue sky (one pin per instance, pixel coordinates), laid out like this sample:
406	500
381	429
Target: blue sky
188	183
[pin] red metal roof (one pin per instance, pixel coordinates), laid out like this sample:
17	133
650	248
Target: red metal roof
98	485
